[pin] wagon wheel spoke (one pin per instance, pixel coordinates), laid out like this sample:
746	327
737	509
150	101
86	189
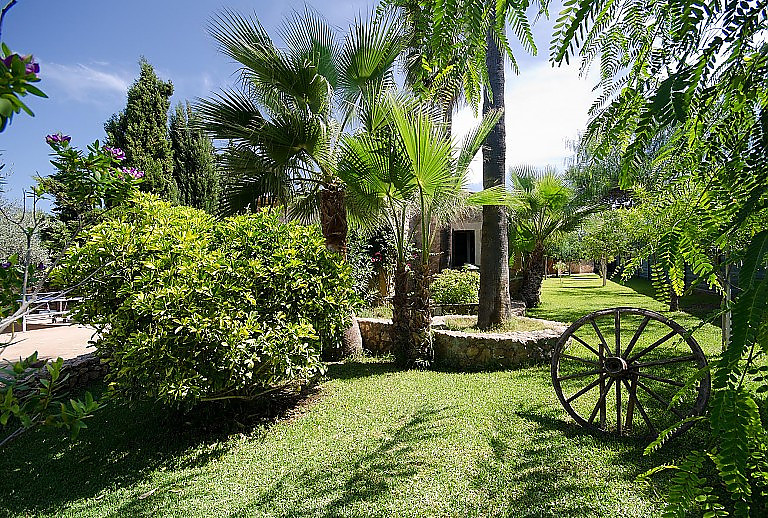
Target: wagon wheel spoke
662	380
579	375
618	408
583	391
665	361
640	409
653	346
603	343
660	399
636	336
600	402
585	344
583	360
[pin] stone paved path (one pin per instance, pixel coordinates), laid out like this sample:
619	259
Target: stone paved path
67	341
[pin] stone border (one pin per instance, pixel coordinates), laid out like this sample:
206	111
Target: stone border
472	351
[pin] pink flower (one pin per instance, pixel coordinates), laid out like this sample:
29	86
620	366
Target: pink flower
132	172
116	152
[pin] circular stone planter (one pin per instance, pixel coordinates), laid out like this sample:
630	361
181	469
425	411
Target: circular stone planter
473	351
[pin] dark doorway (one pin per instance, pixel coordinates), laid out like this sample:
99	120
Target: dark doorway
463	251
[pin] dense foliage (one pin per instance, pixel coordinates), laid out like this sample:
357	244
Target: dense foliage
141	131
194	162
456	287
695	72
193	309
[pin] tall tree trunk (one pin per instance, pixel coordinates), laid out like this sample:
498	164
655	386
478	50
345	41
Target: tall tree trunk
333	219
533	275
604	269
674	300
494	307
400	332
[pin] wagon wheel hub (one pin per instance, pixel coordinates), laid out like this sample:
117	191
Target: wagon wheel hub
615	366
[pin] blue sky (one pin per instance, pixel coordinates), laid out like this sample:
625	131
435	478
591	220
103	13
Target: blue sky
89	50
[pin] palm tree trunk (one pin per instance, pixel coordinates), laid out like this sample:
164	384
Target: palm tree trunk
333	219
401	333
533	275
494	307
420	352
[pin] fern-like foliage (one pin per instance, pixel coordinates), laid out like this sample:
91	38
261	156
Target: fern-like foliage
695	73
447	42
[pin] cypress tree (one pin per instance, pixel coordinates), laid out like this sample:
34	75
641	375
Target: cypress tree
194	166
141	130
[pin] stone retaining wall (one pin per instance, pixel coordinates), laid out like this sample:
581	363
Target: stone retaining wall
472	351
81	370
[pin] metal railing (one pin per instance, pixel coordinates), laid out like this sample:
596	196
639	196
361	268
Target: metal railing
47	307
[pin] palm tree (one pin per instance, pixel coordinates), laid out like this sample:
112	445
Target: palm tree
543	206
457	35
286	121
402	166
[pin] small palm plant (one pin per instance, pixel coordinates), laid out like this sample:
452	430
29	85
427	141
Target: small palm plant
285	122
543	206
403	166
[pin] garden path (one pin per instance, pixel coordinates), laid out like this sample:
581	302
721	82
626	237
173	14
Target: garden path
51	342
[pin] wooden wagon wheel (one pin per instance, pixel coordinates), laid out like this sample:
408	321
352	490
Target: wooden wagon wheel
623	370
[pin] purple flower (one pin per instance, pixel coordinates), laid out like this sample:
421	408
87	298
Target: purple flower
116	152
5	265
33	67
40	266
57	138
30	65
132	172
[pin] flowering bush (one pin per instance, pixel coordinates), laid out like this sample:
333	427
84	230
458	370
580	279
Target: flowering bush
17	73
193	309
87	181
456	287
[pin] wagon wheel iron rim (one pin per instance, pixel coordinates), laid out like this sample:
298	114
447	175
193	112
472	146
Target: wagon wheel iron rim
622	372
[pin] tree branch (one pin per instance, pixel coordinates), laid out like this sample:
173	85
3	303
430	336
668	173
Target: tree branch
3	13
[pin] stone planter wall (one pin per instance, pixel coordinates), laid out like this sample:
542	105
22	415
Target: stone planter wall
81	370
470	351
375	333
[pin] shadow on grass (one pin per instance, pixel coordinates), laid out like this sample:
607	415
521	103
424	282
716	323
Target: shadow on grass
352	369
121	447
349	485
565	470
358	482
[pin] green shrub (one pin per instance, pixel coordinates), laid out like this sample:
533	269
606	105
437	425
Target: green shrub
193	309
456	287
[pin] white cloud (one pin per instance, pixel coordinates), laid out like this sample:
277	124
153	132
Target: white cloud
86	83
544	107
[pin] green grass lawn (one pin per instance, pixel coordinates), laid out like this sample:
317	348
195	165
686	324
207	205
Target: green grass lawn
375	442
469	325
